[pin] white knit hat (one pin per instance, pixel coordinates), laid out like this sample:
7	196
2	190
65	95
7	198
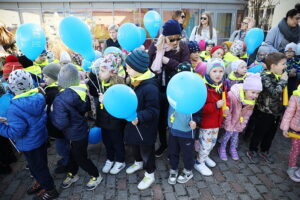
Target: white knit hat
290	47
235	64
65	57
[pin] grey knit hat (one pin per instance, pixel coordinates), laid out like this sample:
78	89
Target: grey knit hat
52	70
68	76
20	81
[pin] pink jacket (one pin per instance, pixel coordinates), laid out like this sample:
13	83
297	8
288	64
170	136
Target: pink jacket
291	117
233	120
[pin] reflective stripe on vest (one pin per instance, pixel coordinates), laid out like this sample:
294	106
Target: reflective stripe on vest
36	70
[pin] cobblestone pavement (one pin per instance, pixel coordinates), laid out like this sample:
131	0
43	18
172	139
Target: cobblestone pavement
231	180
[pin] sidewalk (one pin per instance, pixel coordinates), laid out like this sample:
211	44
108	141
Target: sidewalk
231	180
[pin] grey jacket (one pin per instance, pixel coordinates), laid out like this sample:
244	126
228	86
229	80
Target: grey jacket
237	35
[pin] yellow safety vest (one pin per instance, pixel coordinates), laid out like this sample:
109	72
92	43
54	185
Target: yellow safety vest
81	90
27	94
35	69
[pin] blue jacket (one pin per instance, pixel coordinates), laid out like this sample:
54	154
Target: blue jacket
179	123
68	114
26	118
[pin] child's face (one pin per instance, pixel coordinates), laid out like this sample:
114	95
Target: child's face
219	53
280	67
242	69
261	55
41	58
209	47
289	54
216	74
195	56
48	80
104	74
113	34
131	72
251	94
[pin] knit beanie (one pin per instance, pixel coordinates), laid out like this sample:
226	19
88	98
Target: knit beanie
111	62
264	48
252	82
215	48
52	70
138	60
65	57
50	56
236	63
171	27
193	46
214	62
184	66
228	44
11	58
210	42
68	76
25	62
20	81
237	48
290	47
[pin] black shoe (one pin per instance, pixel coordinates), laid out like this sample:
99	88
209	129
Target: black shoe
35	188
46	195
61	169
160	151
267	157
253	157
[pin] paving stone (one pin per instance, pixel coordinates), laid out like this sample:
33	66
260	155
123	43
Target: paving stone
252	191
254	180
216	190
180	190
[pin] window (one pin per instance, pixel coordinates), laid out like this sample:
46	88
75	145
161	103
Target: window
31	17
223	26
10	18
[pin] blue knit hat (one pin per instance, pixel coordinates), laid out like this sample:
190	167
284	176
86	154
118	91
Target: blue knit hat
171	27
193	46
138	60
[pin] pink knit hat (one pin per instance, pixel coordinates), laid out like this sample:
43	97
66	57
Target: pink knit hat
252	82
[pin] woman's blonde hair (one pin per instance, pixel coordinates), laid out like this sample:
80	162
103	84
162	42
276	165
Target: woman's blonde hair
210	24
57	46
116	79
251	22
6	37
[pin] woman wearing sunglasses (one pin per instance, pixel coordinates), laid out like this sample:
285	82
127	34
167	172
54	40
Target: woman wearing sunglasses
205	30
179	15
165	55
247	23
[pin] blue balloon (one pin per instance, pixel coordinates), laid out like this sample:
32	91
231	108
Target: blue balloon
86	65
31	40
4	103
256	69
129	36
254	38
120	101
77	36
142	35
95	135
112	49
186	92
152	22
98	54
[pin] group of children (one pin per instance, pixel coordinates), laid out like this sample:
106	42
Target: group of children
59	108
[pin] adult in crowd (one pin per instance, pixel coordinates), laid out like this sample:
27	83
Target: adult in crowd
165	55
205	31
247	23
112	41
286	31
180	16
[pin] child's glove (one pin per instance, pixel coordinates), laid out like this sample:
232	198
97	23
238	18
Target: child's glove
193	124
285	134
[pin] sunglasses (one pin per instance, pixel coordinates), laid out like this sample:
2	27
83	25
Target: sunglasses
245	23
203	18
175	39
183	16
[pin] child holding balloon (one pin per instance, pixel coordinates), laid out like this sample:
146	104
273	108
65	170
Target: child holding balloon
290	123
238	73
242	100
141	133
198	66
212	114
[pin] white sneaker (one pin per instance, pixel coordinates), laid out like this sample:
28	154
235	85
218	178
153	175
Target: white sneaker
69	180
172	177
297	173
118	166
203	169
185	176
147	181
135	167
291	172
209	162
94	182
108	165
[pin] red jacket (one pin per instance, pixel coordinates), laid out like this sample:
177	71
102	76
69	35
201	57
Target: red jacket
212	117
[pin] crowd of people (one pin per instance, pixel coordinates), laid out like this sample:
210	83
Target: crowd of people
53	97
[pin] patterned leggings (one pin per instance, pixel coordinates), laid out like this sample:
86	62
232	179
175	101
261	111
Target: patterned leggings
295	150
207	140
234	136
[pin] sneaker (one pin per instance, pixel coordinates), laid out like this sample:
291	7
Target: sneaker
203	169
61	169
185	176
291	172
222	154
46	195
108	165
147	181
135	167
69	180
160	151
267	157
94	182
297	173
172	177
234	154
253	157
35	188
209	162
118	166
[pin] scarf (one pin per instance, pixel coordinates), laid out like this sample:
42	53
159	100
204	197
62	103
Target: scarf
54	84
157	63
135	81
208	81
242	98
233	77
291	34
297	92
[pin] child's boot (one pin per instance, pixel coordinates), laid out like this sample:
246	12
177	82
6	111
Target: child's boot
234	154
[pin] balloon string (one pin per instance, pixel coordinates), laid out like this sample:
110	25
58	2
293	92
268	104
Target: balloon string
139	132
13	145
191	128
94	84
